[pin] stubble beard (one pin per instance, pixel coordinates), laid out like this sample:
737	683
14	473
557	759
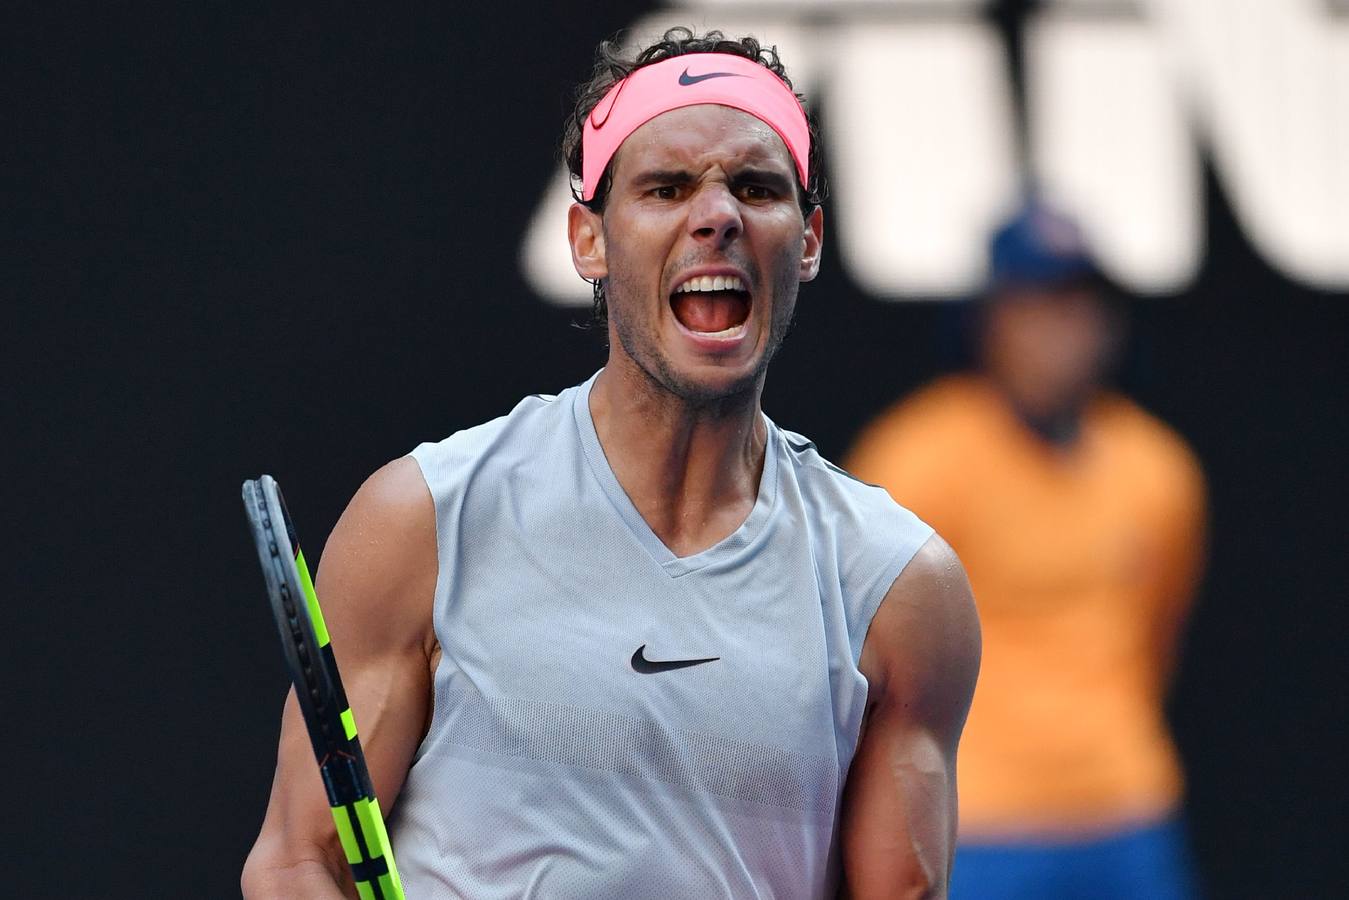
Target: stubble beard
640	341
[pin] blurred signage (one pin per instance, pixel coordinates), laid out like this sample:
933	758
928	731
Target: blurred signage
920	135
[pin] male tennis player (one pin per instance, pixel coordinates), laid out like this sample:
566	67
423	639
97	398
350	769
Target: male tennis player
636	640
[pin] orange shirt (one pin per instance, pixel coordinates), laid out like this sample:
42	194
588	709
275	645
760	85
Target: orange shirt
1082	561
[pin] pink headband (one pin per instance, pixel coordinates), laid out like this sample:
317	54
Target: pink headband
688	80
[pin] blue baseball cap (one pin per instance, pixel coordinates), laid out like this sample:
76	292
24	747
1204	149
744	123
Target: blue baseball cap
1039	246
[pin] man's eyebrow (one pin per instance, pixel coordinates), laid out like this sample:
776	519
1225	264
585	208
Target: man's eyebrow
663	176
766	177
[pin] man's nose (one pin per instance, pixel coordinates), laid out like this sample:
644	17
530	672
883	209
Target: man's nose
714	215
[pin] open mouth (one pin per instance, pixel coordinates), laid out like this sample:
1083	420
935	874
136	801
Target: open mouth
714	306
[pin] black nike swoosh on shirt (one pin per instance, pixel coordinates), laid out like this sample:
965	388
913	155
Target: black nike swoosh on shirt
651	666
686	79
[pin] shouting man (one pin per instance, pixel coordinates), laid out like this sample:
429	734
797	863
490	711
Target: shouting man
636	640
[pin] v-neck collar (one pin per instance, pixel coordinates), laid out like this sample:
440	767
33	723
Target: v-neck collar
675	566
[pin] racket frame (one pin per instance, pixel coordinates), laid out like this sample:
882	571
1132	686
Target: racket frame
318	689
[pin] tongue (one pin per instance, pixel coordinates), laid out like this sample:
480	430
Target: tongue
710	311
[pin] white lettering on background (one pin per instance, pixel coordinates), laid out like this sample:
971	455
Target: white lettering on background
918	133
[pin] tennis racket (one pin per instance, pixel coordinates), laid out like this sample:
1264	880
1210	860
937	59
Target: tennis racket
318	687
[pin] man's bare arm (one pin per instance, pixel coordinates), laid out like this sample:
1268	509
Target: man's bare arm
376	582
921	659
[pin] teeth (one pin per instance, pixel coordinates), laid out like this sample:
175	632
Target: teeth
711	283
729	332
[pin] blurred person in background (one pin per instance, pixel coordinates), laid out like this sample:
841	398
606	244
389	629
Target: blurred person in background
1080	519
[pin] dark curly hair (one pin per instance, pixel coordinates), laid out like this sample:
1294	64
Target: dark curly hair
612	66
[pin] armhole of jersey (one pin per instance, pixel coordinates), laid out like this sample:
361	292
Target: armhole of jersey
879	586
418	455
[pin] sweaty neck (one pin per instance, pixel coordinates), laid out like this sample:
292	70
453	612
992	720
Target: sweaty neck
691	469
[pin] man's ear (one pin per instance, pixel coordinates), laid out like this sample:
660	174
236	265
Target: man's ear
814	244
585	233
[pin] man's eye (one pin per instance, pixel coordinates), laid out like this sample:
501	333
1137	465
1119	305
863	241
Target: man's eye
666	192
756	192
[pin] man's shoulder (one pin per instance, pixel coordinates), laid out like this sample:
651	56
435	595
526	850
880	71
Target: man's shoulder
527	427
865	511
924	644
384	542
820	475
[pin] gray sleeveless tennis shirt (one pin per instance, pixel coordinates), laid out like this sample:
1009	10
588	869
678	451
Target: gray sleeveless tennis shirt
567	756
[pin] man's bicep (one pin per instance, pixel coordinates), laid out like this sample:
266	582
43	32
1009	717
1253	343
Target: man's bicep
376	582
377	576
921	659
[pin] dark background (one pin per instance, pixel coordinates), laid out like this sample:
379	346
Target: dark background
286	242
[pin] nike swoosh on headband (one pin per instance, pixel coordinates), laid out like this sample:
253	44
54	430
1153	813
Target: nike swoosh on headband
669	84
686	79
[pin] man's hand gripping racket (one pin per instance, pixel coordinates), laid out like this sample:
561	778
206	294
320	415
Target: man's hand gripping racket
318	687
